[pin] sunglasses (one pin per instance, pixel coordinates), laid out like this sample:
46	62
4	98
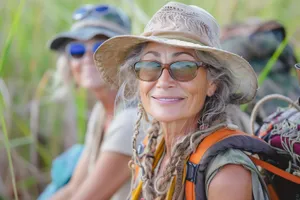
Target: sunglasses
103	11
86	10
78	49
182	71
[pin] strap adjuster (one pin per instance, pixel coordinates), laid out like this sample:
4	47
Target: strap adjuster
191	172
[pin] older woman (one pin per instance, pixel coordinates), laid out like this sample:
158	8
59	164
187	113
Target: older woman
184	83
101	172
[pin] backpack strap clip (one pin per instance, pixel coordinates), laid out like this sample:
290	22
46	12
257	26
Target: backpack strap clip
191	172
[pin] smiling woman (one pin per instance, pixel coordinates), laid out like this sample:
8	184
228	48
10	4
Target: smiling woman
184	82
167	99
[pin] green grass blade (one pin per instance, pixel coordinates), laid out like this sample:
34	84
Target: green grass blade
267	69
19	142
11	33
81	107
7	148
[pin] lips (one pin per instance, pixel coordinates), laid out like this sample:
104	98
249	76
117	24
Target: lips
164	99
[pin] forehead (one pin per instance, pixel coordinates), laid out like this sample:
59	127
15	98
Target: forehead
163	48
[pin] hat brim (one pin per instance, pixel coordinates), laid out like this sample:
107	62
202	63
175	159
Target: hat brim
113	52
85	33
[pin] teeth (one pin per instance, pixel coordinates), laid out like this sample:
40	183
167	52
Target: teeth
164	99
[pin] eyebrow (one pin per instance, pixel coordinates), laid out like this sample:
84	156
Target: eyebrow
180	53
156	54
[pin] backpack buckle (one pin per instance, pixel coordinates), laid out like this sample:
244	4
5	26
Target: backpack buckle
191	172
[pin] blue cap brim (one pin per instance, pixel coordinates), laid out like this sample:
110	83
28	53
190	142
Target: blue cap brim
85	33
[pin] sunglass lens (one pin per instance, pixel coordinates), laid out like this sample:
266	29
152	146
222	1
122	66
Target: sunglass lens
96	45
76	50
147	70
101	8
184	70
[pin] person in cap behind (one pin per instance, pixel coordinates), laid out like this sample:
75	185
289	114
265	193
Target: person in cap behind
184	81
102	170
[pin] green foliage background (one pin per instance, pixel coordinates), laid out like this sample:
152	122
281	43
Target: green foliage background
27	25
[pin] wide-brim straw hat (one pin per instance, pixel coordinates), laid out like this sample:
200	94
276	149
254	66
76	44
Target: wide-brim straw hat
179	25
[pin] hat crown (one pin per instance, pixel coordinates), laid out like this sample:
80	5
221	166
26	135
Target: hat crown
184	22
102	15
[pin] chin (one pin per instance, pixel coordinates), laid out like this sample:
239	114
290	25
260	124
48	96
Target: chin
92	85
166	116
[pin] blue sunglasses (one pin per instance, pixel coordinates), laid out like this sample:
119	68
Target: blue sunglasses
105	12
78	49
88	9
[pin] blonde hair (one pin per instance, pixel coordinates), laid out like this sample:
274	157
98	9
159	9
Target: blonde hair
211	118
62	78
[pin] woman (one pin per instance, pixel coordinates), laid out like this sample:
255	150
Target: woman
184	82
104	161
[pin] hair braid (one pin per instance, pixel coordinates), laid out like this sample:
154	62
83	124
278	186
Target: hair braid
135	156
148	158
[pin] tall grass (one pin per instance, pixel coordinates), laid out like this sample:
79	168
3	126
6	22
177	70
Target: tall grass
26	64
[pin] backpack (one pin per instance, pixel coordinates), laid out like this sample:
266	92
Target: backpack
281	184
282	131
256	41
277	142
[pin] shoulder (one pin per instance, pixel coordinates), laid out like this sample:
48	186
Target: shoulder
233	181
124	119
129	114
231	171
228	157
118	137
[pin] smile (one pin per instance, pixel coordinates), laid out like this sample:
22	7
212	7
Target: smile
168	99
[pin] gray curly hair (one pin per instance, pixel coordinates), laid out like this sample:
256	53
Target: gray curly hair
214	110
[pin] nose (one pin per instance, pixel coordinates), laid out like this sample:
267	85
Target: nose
88	58
165	80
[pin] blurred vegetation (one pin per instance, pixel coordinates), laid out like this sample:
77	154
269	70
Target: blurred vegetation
26	66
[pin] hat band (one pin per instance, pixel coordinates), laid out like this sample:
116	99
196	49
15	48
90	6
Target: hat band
187	37
103	24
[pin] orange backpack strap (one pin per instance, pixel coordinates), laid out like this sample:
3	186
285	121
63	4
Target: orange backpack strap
214	143
197	156
275	170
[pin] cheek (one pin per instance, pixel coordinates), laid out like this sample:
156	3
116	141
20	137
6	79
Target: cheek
145	88
75	70
197	92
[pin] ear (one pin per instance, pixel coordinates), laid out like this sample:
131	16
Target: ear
212	87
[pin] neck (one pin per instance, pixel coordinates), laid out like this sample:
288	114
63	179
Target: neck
107	97
174	131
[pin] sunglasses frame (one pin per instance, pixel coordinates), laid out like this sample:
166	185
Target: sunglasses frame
67	49
168	67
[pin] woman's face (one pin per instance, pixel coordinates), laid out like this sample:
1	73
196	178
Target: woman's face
166	99
82	67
